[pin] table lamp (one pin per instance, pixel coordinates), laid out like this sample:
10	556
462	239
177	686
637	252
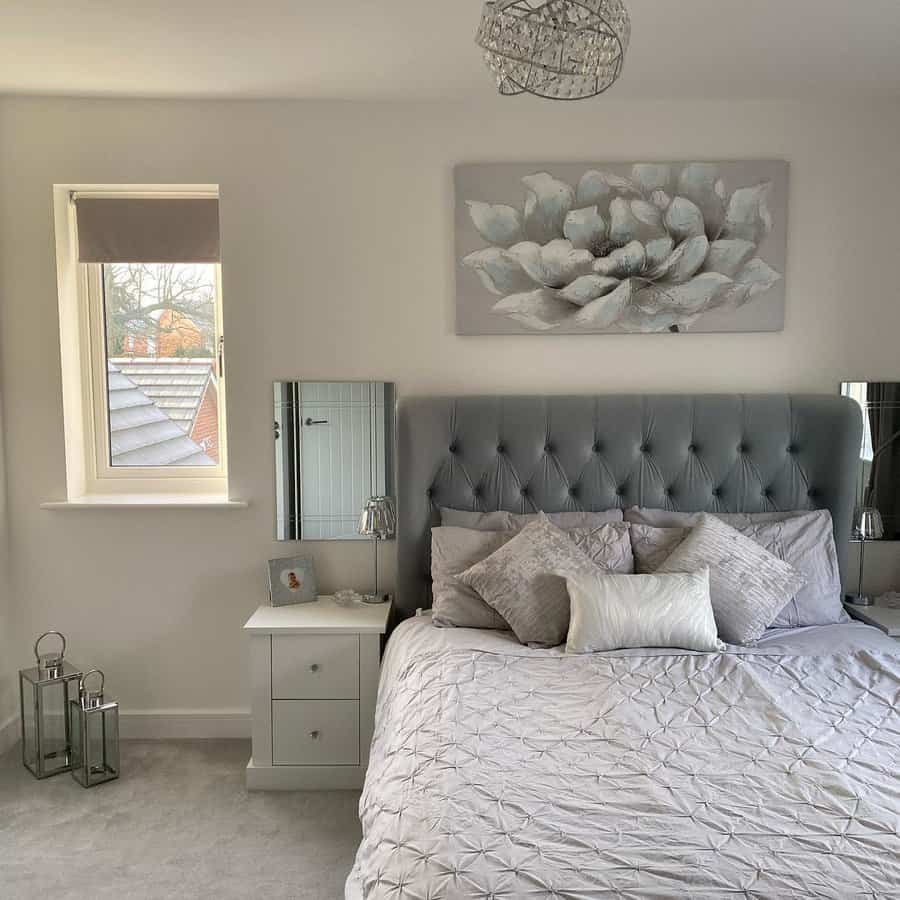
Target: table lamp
377	520
870	527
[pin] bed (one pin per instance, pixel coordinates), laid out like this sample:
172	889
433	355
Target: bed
503	771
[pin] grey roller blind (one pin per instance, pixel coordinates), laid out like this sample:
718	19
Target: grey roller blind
128	229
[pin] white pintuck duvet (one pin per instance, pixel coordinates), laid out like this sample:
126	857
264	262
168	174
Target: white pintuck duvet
503	772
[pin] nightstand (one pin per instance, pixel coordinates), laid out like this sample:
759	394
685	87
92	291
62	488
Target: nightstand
314	678
882	617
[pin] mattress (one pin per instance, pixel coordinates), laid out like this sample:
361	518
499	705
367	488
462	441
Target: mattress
502	771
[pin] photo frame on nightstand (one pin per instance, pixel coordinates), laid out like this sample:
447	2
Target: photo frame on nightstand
292	580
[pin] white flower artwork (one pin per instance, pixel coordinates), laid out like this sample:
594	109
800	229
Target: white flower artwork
649	247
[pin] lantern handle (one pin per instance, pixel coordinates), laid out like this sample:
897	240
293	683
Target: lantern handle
59	634
87	675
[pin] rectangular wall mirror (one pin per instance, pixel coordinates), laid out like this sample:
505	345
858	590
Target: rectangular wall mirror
334	448
879	471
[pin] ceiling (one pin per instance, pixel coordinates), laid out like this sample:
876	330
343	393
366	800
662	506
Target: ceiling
420	49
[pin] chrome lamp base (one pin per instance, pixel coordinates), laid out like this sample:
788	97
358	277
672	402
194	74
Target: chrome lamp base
376	598
860	599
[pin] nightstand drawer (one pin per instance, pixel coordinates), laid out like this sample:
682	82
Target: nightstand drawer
315	732
315	666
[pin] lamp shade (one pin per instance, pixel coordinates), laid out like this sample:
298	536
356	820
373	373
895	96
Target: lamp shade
378	518
870	525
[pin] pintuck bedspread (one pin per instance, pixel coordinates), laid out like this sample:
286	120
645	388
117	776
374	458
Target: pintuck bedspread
500	772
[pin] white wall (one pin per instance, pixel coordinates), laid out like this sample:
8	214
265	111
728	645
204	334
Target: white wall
337	248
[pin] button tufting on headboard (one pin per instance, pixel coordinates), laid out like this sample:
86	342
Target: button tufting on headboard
721	452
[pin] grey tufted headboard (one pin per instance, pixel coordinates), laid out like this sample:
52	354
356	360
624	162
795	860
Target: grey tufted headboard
717	452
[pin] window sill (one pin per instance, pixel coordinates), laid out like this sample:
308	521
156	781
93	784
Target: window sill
146	501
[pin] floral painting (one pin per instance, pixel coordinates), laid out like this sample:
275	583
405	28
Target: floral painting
648	247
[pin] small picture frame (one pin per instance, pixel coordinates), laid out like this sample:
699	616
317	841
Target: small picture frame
292	580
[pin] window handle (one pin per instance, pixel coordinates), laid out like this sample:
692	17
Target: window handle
309	421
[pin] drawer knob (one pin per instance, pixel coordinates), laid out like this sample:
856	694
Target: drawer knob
314	735
314	667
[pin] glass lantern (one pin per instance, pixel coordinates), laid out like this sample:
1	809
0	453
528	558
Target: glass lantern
43	702
95	734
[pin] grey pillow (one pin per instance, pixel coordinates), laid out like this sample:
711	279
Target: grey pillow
803	540
568	520
501	520
747	584
524	581
668	518
616	611
807	543
453	603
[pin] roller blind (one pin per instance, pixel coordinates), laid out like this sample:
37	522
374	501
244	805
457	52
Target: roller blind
152	230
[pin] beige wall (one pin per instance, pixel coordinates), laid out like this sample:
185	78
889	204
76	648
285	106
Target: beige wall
337	246
8	683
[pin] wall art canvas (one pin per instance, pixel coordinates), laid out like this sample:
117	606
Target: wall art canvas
646	247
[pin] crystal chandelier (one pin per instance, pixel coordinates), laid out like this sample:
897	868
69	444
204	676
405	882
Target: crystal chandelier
560	49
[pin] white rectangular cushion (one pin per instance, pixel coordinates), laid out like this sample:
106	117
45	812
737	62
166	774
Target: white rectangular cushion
612	612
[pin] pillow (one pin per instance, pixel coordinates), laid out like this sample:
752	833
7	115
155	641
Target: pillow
807	543
747	584
567	520
667	518
651	545
524	581
804	541
610	612
480	521
453	603
607	546
501	520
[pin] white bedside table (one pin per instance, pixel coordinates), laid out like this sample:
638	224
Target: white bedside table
882	617
314	679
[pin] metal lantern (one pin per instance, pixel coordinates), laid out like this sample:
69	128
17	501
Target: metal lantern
43	703
95	734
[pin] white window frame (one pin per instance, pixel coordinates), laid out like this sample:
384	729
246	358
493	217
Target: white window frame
89	474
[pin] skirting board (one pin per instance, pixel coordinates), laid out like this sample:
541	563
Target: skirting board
161	724
304	778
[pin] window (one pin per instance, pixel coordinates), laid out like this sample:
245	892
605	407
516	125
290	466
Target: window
144	343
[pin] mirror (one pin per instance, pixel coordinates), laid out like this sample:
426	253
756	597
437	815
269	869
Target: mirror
334	448
879	471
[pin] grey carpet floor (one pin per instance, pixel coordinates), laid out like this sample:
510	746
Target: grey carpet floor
177	824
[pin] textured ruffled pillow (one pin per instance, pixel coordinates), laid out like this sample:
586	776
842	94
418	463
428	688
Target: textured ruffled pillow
804	540
747	584
524	580
610	612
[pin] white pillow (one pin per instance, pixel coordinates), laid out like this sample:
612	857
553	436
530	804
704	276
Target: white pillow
611	612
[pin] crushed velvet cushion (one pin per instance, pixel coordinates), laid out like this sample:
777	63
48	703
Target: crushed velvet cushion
748	584
610	612
524	580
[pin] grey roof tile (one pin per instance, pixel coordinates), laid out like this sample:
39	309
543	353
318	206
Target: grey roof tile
141	434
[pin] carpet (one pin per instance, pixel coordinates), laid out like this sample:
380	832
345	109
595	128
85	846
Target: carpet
178	823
